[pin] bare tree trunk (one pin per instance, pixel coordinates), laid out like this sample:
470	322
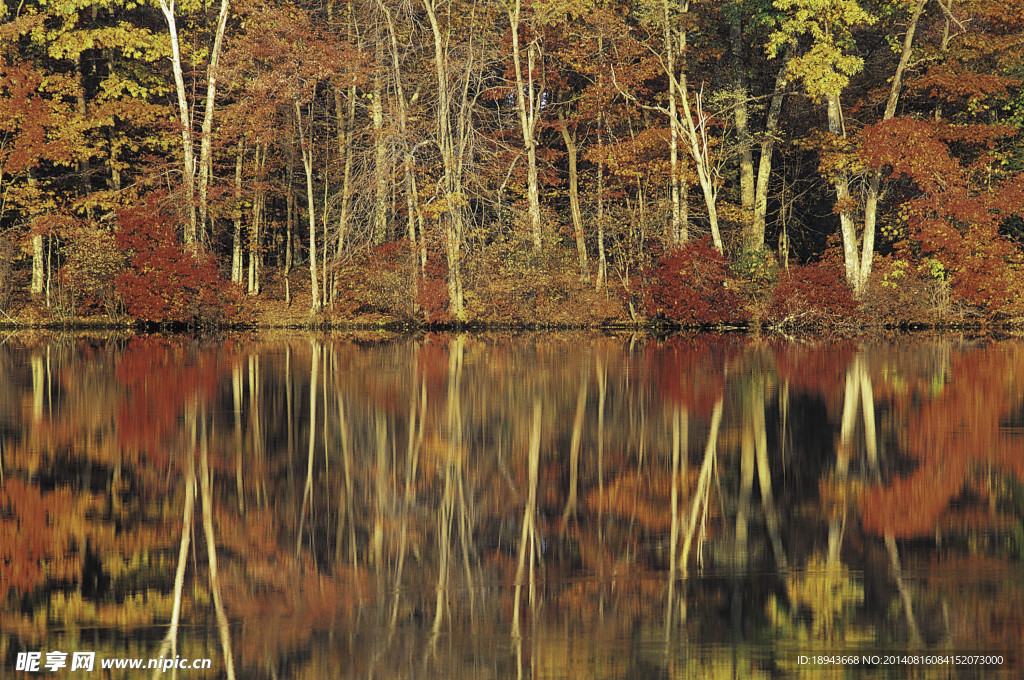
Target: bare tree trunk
452	169
574	198
943	48
380	156
602	260
236	240
411	195
255	229
38	250
346	124
289	243
875	184
841	182
675	171
82	110
189	170
206	142
307	163
751	238
693	124
700	150
764	164
528	105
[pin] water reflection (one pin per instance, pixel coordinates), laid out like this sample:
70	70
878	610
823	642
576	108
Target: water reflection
541	506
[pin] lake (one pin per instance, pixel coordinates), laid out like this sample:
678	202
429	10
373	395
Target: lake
511	505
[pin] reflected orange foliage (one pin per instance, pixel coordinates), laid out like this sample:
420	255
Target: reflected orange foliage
160	378
952	436
689	371
641	498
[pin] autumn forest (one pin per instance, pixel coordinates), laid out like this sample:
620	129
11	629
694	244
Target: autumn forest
792	163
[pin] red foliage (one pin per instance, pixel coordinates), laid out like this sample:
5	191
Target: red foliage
689	370
689	285
956	435
432	290
33	534
163	281
811	295
953	222
160	378
818	369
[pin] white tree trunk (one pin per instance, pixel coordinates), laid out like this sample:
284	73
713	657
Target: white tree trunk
307	163
189	168
206	143
236	240
528	111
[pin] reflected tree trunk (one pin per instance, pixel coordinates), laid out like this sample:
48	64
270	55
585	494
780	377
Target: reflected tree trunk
444	549
307	490
169	646
381	477
527	537
38	388
574	448
702	493
901	586
255	423
741	548
765	482
867	396
845	445
236	395
680	446
211	552
345	433
417	416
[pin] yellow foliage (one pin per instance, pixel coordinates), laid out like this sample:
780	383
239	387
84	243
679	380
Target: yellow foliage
828	590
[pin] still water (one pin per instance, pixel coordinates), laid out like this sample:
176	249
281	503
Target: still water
512	506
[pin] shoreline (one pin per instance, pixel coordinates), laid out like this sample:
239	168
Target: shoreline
472	327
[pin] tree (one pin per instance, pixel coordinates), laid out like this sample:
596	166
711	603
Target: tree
529	103
195	228
33	131
825	70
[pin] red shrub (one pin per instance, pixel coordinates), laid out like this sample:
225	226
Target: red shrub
811	295
163	282
690	285
432	289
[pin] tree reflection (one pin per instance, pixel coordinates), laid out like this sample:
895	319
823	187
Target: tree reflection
541	506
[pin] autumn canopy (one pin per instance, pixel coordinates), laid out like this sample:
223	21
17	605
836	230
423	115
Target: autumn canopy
512	161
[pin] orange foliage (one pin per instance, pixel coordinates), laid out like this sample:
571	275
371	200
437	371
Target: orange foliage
951	436
645	499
